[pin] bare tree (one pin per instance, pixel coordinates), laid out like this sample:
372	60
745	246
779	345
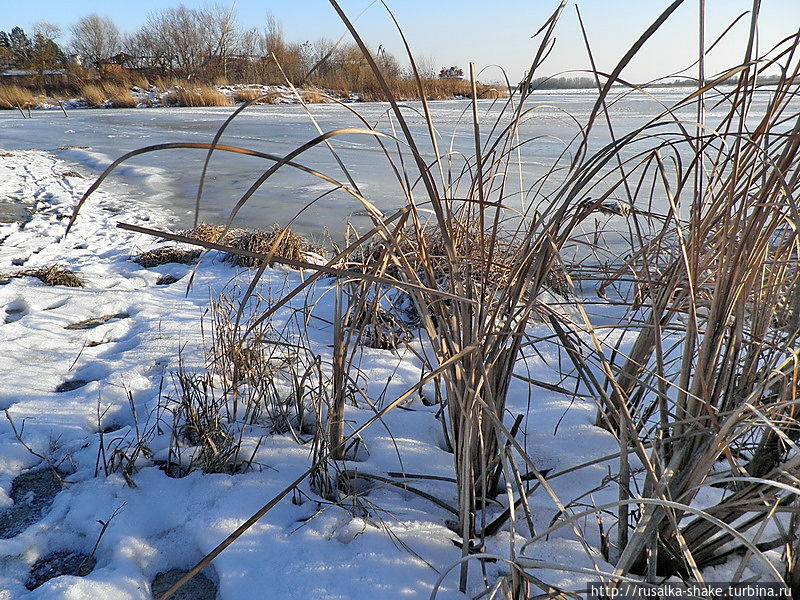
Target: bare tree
194	43
95	38
286	54
323	56
149	52
426	65
219	23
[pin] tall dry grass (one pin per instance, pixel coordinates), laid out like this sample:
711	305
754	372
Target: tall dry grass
119	96
13	97
197	96
93	95
705	395
711	376
246	95
431	89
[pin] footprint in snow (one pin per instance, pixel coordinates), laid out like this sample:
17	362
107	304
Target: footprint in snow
97	321
70	385
55	305
15	310
33	493
199	587
166	280
58	564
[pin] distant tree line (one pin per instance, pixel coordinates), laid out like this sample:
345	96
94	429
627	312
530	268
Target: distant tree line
205	45
583	83
587	83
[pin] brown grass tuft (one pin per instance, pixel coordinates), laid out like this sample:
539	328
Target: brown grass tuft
289	244
312	97
166	255
93	95
246	95
210	233
120	96
286	243
52	276
198	96
12	96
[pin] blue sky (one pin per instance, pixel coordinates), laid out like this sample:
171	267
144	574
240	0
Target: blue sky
455	32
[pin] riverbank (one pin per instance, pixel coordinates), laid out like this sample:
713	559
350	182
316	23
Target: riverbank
114	95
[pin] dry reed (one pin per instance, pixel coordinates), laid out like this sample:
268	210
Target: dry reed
93	95
278	242
13	97
165	255
196	96
706	394
52	276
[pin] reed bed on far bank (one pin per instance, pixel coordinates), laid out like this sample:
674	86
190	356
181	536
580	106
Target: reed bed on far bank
197	96
697	381
13	97
108	94
431	89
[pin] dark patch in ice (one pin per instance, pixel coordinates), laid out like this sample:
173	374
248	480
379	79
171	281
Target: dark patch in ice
356	451
66	174
33	494
97	321
199	587
58	564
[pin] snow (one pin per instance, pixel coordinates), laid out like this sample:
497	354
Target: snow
308	550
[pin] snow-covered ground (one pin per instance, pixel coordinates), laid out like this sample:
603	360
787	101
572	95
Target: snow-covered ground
308	548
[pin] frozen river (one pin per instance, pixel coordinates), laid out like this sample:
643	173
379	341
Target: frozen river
92	138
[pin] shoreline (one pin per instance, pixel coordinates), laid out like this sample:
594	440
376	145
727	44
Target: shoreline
109	95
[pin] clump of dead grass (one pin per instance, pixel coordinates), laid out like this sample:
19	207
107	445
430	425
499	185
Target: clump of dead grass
52	276
433	89
313	97
278	242
166	255
203	436
425	251
197	96
119	96
214	234
246	95
13	96
93	95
